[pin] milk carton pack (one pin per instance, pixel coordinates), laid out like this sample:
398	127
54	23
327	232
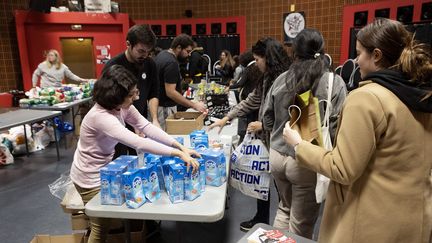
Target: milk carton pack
155	160
133	188
176	183
111	184
201	142
215	166
202	174
194	134
150	182
165	173
129	160
192	185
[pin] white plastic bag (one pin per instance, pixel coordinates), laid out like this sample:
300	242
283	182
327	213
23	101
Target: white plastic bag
42	138
250	168
72	199
60	186
16	135
323	182
6	157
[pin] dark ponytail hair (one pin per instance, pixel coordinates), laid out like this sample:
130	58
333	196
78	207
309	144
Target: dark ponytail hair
309	59
400	51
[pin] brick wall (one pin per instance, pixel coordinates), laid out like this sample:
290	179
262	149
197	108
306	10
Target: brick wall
263	18
10	69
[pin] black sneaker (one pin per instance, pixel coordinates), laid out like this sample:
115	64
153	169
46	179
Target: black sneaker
247	225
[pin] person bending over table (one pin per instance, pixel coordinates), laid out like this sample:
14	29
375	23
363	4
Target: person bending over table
104	126
52	71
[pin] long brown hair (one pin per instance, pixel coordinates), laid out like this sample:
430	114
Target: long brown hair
400	51
57	63
228	59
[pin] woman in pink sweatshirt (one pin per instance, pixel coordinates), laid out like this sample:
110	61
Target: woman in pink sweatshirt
104	126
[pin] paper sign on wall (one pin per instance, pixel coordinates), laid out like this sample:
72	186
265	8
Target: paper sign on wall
103	54
293	23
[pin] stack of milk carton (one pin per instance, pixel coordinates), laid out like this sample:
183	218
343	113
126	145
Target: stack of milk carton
111	179
123	181
199	140
180	183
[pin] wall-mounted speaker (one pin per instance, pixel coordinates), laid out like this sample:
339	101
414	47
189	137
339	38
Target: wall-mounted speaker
157	29
231	28
426	11
360	18
188	13
382	13
171	30
216	28
405	14
201	29
186	29
42	6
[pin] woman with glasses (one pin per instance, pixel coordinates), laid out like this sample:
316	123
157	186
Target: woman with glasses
104	126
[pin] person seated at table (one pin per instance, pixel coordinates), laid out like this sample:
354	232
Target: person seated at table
104	126
52	71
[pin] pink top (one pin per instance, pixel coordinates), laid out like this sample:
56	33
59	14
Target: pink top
101	130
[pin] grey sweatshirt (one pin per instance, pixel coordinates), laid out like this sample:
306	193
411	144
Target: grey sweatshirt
254	101
51	76
280	97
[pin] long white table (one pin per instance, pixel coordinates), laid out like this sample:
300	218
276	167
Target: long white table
209	207
64	106
16	117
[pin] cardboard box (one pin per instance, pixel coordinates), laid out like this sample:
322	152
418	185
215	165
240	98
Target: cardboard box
80	221
136	237
184	122
73	238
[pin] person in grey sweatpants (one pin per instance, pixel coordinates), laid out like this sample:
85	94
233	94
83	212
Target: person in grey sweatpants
298	210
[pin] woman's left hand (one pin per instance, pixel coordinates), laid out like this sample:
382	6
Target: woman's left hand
291	136
255	126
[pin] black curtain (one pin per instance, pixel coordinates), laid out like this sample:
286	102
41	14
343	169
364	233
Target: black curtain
422	33
212	44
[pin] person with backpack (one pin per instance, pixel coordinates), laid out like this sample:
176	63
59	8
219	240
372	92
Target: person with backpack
380	166
298	209
198	65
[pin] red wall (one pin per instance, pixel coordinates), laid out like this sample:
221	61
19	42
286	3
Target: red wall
38	32
349	11
240	20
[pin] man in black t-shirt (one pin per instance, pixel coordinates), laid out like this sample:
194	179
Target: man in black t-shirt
170	94
140	41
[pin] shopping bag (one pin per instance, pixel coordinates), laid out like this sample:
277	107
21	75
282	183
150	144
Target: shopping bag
305	117
250	168
323	182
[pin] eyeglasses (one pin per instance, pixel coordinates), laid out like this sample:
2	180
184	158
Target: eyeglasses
144	51
134	92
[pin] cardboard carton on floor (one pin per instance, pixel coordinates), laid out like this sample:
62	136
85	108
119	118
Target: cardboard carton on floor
184	122
79	221
73	238
136	237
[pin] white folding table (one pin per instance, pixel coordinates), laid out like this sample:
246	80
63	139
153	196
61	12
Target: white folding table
15	117
209	207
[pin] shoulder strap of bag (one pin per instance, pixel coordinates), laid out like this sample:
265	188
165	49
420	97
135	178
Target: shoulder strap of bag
326	121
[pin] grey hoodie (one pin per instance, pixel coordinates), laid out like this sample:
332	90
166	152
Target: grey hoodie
280	97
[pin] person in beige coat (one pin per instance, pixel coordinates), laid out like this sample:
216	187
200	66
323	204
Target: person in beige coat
381	165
